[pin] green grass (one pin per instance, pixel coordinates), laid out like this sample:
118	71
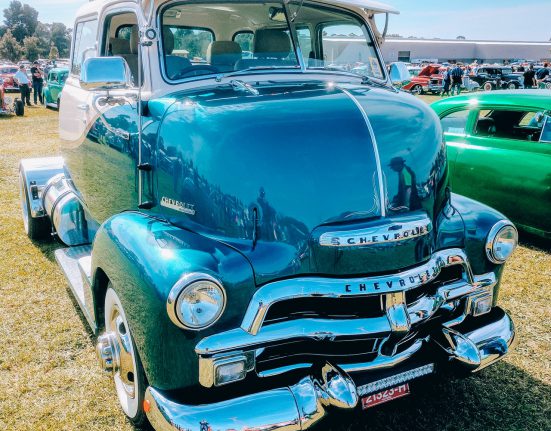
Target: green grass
49	378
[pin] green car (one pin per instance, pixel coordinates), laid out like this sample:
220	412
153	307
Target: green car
53	86
499	152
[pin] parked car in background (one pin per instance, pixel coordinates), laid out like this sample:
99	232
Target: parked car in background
7	72
499	152
496	78
429	79
53	85
8	104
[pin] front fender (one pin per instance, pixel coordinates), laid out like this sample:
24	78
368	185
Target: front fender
143	258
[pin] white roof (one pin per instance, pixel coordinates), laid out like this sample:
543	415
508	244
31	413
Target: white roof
373	6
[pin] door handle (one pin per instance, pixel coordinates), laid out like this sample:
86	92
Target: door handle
83	107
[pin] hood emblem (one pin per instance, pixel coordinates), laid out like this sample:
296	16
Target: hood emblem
377	235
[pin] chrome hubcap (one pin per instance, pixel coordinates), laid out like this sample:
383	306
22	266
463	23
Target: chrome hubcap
116	355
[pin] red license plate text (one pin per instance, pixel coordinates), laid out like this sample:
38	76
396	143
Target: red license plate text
385	396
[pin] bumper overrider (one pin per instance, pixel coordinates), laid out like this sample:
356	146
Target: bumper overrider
452	327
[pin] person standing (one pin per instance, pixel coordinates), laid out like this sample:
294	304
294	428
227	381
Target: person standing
457	79
24	83
530	77
542	73
38	82
446	83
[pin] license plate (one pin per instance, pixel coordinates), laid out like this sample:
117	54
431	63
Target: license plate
385	396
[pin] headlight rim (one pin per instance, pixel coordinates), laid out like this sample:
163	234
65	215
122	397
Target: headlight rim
493	235
178	289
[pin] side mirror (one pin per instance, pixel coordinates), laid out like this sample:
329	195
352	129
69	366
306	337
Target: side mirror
104	73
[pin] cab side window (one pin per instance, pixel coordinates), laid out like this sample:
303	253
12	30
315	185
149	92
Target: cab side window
84	44
455	123
121	40
510	124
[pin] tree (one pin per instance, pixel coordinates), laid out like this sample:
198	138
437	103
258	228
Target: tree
9	47
21	19
54	52
61	37
31	48
461	38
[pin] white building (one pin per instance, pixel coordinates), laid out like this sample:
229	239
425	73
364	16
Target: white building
440	50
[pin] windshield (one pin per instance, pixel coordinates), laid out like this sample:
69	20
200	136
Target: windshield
219	38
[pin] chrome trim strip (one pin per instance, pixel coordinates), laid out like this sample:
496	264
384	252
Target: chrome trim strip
283	290
382	200
381	234
395	380
317	329
381	362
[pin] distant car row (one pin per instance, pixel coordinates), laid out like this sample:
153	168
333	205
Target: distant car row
429	79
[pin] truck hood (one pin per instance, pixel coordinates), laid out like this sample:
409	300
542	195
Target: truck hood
303	178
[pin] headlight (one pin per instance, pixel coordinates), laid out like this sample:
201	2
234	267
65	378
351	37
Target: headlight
502	241
196	301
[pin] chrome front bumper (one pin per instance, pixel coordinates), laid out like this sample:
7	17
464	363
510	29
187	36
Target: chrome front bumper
299	406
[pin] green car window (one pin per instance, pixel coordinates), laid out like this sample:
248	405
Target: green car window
546	132
510	124
455	123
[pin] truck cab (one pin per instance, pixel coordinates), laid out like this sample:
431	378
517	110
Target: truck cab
257	226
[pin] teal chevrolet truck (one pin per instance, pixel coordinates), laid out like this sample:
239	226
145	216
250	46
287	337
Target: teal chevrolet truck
258	234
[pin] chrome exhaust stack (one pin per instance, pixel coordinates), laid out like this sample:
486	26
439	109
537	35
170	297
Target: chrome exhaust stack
66	212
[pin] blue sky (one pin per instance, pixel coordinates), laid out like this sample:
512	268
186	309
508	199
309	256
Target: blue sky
475	19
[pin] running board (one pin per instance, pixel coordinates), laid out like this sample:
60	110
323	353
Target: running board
76	264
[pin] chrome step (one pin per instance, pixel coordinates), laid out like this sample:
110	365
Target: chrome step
76	265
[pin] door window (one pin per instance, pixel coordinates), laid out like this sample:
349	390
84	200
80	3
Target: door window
455	123
85	44
510	124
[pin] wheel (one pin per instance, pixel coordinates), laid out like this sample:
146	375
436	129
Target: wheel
488	86
548	85
417	90
117	349
58	101
35	228
511	86
19	107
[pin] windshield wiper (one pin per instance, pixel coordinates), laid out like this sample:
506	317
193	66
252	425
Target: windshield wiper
220	76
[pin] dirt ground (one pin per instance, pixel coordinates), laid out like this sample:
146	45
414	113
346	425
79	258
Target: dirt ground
50	380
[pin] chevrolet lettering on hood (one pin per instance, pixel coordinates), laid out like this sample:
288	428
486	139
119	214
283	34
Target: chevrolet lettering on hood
377	235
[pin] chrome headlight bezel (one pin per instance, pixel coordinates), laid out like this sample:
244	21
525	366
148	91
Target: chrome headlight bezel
496	231
178	291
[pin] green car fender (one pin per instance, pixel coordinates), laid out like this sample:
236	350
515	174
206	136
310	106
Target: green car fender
143	258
